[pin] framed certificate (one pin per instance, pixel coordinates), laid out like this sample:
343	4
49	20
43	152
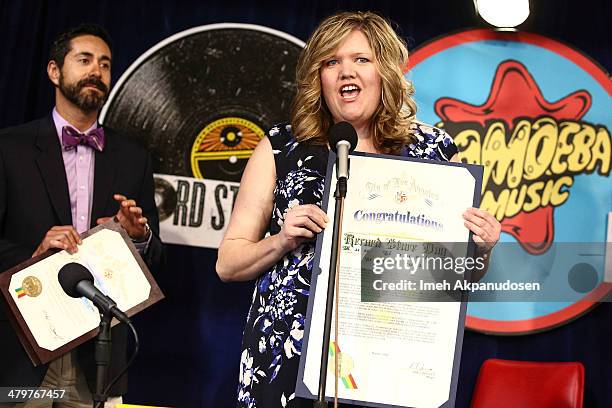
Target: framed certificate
391	353
47	321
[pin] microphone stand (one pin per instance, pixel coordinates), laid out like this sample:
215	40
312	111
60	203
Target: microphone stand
103	358
340	194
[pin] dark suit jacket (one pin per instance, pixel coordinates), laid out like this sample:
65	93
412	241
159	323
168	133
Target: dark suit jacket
34	197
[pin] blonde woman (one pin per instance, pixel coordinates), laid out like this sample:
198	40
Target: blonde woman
350	70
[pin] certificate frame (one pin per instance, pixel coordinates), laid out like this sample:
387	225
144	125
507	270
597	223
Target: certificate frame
476	171
39	355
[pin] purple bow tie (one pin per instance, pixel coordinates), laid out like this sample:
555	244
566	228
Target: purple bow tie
71	138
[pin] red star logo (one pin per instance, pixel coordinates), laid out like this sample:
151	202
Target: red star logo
515	94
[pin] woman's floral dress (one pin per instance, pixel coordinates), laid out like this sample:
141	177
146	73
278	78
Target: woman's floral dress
272	341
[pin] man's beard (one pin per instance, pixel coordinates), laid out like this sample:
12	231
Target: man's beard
88	101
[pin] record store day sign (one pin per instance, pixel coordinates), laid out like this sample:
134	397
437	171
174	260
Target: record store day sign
200	101
536	114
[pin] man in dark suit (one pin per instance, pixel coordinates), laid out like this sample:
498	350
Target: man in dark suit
61	175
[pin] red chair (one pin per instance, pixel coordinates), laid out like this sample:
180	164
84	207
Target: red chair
529	384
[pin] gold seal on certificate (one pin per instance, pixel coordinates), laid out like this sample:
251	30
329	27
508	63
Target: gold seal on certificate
31	286
345	364
404	341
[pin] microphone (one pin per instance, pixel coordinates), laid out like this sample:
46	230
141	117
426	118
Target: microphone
78	282
342	140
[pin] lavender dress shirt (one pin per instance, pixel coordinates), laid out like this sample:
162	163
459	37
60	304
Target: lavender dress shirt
79	165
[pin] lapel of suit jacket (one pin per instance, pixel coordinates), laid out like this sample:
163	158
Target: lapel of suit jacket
51	166
104	173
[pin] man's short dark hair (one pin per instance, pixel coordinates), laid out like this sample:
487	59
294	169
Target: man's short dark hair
61	44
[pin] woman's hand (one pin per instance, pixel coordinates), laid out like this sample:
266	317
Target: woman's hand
485	227
301	224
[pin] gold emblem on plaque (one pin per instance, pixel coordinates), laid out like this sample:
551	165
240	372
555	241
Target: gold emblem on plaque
32	286
345	364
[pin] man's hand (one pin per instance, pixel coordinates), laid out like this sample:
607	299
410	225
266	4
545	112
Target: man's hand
130	217
61	237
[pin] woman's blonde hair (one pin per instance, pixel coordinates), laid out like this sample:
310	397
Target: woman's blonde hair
390	124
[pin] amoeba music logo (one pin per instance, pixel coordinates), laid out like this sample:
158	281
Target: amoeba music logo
535	113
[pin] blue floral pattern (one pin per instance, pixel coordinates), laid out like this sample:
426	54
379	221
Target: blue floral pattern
431	143
272	342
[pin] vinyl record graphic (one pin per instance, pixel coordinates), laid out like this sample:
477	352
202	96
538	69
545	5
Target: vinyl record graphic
202	99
